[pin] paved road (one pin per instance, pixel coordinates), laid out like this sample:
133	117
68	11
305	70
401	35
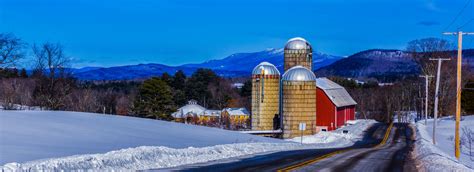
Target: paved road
391	156
378	151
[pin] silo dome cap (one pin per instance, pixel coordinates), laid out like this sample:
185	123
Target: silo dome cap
266	68
297	43
298	73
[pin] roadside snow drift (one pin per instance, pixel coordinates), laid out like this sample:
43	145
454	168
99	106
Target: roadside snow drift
337	138
32	135
440	157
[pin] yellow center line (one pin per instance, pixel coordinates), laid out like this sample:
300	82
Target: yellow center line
311	161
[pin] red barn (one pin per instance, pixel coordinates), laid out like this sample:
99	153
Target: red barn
334	105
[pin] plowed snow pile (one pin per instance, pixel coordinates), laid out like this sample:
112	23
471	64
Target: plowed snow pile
337	138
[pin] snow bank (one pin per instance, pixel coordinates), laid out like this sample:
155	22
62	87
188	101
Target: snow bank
148	157
337	138
440	157
32	135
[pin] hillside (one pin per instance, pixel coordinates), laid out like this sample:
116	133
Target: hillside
384	65
239	64
32	135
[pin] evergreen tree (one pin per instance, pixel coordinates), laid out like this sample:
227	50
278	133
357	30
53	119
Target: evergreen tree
246	90
197	86
8	73
179	80
23	73
15	73
167	78
154	100
467	98
179	98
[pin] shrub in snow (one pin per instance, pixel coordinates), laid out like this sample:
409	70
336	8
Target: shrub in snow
467	140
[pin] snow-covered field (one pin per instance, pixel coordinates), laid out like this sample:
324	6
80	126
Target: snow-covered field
440	157
31	135
42	140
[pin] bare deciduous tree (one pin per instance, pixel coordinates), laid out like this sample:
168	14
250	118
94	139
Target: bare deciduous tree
15	92
82	100
424	49
11	49
468	140
53	81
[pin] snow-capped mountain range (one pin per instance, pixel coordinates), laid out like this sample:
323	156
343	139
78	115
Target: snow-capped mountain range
381	64
239	64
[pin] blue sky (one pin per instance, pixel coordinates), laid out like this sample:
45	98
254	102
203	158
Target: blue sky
173	32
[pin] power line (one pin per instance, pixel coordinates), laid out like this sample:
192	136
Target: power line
465	24
457	16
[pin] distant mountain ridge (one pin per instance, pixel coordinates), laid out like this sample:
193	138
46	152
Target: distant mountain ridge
239	64
239	61
381	64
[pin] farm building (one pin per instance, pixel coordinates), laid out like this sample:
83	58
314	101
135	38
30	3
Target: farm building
265	96
334	105
298	52
235	118
298	101
193	113
188	112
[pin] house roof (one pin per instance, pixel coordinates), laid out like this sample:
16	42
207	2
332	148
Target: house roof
336	93
192	108
237	111
211	113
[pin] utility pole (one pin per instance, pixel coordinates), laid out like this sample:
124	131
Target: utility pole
437	97
422	110
427	78
457	149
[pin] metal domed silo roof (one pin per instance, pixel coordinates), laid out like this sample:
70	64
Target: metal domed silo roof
298	73
297	43
267	68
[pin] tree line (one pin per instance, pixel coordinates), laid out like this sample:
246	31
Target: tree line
50	85
158	97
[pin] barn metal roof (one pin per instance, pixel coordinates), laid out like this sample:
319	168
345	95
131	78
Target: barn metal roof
336	93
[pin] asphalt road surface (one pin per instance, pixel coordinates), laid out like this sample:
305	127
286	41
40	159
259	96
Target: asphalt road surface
384	148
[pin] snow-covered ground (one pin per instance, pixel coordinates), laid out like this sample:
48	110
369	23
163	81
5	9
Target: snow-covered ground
440	157
31	135
337	138
41	140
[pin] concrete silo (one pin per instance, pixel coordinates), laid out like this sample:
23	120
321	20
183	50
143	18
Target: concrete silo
298	52
265	95
298	101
